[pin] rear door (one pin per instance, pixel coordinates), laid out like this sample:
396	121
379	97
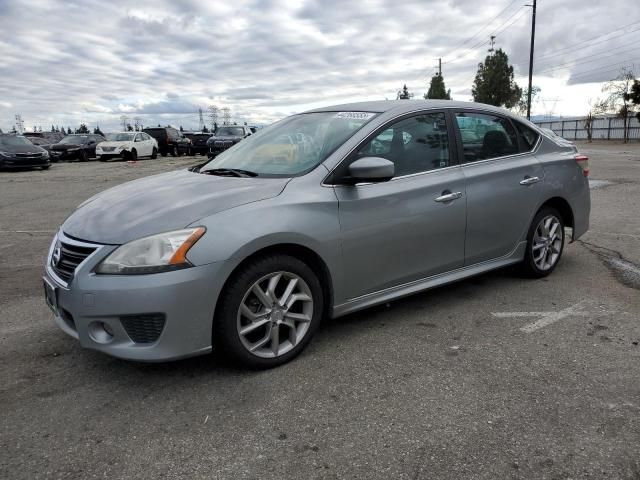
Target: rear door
503	184
412	226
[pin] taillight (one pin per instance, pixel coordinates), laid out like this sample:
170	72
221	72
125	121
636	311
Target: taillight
583	161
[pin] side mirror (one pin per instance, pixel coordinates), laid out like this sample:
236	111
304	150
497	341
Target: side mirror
371	169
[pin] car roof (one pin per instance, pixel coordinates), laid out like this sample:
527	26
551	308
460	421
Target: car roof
406	106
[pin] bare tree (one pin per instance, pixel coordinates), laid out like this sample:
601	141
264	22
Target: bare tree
618	94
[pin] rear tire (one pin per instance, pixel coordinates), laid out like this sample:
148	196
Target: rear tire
163	153
173	151
545	243
83	156
285	317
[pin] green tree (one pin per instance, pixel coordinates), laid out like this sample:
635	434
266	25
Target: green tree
181	129
53	129
205	129
437	90
494	83
634	96
129	127
82	129
69	132
404	93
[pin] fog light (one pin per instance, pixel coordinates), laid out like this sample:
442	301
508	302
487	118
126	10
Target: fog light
100	332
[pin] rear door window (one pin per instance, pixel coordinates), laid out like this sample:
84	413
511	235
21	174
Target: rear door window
528	136
485	136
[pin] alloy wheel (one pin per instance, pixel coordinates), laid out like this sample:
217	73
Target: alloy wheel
547	242
275	314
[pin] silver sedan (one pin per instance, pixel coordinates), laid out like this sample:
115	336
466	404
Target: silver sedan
319	215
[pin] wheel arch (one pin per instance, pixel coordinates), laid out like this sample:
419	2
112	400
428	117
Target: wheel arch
302	253
563	207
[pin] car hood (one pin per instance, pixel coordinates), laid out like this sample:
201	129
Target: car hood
124	143
21	149
161	203
65	146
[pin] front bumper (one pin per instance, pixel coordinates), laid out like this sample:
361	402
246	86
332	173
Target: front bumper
64	155
184	299
15	162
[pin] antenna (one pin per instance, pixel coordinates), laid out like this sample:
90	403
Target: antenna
226	115
201	120
19	123
492	42
213	115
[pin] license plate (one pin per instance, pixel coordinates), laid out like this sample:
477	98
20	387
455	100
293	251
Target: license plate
50	295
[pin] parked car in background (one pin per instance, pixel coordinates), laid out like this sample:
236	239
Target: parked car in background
225	137
17	151
40	141
79	146
170	140
127	146
325	213
52	137
198	142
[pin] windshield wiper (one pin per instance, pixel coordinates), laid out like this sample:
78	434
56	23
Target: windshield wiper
230	172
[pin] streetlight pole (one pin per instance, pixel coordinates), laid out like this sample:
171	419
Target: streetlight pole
533	38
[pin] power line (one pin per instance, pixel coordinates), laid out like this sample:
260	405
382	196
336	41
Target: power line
482	29
614	65
570	48
579	62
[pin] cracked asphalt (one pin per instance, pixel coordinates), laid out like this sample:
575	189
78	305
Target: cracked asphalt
458	382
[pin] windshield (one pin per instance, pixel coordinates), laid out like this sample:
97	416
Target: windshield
292	146
75	139
120	137
229	132
14	140
37	140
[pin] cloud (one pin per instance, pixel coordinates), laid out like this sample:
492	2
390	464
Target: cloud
92	61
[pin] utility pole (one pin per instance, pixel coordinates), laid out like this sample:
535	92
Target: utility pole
440	67
533	38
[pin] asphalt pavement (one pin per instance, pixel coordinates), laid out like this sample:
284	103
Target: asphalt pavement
493	377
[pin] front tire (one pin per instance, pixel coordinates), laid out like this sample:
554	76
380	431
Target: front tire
545	243
268	312
154	153
83	156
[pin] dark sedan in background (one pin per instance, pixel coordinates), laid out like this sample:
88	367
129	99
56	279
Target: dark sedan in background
17	151
198	142
80	147
226	137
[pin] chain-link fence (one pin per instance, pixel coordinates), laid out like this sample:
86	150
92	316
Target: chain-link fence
604	128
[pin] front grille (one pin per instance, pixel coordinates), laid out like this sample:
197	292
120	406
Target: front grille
145	328
29	155
108	149
66	258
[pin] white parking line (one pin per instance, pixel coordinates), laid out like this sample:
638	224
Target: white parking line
547	317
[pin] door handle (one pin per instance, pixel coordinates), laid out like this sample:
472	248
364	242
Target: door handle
529	180
448	197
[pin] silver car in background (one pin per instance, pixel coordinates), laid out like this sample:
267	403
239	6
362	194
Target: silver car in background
319	215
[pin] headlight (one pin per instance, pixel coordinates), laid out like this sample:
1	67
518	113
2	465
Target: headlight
159	253
45	154
5	154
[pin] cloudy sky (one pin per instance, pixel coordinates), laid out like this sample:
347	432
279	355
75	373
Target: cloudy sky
66	62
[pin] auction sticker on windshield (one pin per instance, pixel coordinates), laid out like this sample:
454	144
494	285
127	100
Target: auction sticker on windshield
355	115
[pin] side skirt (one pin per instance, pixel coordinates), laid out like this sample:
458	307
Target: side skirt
399	291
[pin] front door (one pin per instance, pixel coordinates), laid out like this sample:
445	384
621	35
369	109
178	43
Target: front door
412	226
503	185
